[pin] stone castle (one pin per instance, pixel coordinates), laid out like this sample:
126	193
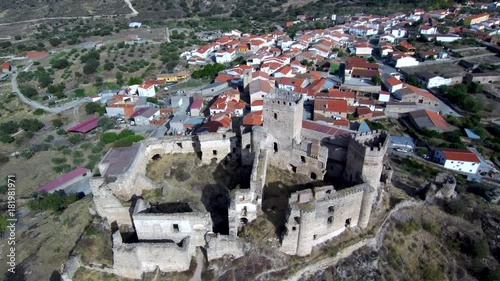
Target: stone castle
167	238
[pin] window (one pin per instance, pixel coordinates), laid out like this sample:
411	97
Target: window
331	208
314	237
313	176
294	228
176	227
348	223
303	159
276	116
330	220
214	152
275	146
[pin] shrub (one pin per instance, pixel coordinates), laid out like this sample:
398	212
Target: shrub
57	160
49	138
27	153
30	125
6	139
431	227
109	137
125	133
77	153
408	227
53	202
86	145
79	93
480	249
61	131
75	138
455	207
38	111
57	123
432	272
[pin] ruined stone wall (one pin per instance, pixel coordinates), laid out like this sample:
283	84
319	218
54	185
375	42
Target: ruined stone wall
174	226
314	219
303	162
221	245
107	204
247	155
215	146
132	260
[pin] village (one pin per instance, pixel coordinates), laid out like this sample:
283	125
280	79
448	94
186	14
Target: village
420	88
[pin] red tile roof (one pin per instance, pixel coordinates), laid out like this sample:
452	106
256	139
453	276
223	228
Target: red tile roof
63	179
393	81
335	93
460	155
437	120
6	65
325	129
224	78
197	104
330	105
253	119
85	126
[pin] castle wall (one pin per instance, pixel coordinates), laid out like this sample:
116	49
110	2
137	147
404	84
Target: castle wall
314	219
175	226
132	260
365	157
221	245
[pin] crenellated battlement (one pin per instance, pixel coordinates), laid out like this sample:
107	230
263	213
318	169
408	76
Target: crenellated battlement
282	95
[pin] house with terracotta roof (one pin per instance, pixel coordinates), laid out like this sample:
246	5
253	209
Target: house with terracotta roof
253	119
258	88
414	94
399	59
329	110
6	67
463	161
85	126
361	50
220	122
290	84
430	120
391	83
225	56
387	38
361	30
407	48
350	97
34	55
146	89
196	106
285	71
427	29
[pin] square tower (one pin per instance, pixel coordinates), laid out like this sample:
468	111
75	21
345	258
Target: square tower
283	111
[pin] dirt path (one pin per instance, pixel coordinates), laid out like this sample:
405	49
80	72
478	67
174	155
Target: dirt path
374	242
199	266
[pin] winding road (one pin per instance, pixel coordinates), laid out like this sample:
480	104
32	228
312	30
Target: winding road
36	105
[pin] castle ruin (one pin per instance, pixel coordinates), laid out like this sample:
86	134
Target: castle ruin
286	141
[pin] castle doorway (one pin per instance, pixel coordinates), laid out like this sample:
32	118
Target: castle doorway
156	157
348	223
314	176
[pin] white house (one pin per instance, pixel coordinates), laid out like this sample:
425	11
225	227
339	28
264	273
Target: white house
447	37
398	32
387	38
203	51
431	80
392	84
225	56
427	30
405	61
384	96
146	90
362	50
135	24
458	160
361	30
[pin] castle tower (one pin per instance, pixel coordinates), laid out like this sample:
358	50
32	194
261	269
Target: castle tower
365	158
247	78
366	206
282	113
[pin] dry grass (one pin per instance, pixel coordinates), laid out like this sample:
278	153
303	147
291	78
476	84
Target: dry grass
43	248
84	274
185	180
31	173
96	245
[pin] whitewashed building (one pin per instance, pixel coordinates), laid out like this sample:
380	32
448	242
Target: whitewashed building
458	160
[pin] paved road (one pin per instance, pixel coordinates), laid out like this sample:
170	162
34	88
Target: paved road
34	104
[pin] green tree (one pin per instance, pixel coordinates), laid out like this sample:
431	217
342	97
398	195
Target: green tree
106	123
109	137
134	80
79	93
93	107
55	41
28	91
109	65
9	127
60	64
38	111
75	138
31	125
90	66
57	123
376	80
119	78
